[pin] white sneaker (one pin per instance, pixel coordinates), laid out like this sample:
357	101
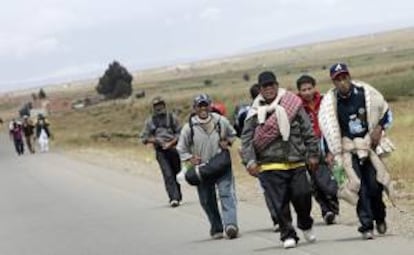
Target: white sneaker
309	235
368	235
174	203
289	243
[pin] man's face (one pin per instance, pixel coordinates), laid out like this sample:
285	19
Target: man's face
342	83
202	110
159	108
269	91
307	91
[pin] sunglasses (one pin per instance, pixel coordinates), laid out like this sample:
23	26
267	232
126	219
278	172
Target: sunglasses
203	104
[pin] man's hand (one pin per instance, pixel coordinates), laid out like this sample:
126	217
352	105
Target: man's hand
151	140
313	163
329	159
224	144
376	136
169	144
253	169
195	160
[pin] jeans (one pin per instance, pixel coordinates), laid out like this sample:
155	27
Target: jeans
227	196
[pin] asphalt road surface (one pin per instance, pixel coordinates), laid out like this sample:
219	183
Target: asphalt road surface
51	204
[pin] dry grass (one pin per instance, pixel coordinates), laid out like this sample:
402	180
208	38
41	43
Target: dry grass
385	60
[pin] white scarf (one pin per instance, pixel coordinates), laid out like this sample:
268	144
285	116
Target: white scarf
280	112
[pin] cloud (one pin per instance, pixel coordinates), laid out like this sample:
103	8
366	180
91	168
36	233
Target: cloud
65	73
210	14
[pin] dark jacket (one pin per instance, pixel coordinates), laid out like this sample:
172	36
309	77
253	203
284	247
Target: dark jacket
39	128
301	145
28	129
164	127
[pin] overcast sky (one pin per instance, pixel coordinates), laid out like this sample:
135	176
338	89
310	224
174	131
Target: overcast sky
58	40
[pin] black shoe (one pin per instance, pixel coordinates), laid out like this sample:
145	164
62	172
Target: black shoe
329	218
217	236
231	231
381	227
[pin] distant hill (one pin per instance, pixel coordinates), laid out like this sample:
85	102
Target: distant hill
338	49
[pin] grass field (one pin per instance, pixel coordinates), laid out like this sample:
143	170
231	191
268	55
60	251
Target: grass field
384	60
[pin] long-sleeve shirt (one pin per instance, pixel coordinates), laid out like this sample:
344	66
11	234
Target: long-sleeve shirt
163	127
201	142
301	145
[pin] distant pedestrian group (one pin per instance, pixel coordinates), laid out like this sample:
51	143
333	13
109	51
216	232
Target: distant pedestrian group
26	132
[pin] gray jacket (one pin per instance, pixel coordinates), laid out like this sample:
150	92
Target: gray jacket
204	145
163	127
301	145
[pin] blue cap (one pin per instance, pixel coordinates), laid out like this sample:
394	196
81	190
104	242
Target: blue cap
337	69
202	98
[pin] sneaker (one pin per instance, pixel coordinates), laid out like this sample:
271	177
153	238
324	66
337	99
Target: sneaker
217	236
381	228
276	228
232	231
174	203
329	218
368	235
309	235
289	243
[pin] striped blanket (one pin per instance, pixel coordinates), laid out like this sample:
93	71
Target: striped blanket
282	111
342	148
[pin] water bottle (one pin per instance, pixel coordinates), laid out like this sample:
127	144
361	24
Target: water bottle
339	174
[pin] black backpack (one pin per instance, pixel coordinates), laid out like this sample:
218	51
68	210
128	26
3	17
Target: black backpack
169	125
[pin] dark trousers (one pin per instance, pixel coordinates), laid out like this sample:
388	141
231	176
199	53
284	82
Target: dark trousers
324	189
289	186
370	205
170	165
272	211
29	143
19	146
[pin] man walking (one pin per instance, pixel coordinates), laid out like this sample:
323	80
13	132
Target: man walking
206	135
277	135
162	130
16	133
324	186
353	116
240	116
28	130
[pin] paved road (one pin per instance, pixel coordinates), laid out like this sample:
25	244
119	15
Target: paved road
50	204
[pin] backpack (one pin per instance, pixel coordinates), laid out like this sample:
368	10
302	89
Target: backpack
239	116
169	125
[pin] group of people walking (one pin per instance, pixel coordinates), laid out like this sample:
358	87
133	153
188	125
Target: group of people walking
290	142
26	132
